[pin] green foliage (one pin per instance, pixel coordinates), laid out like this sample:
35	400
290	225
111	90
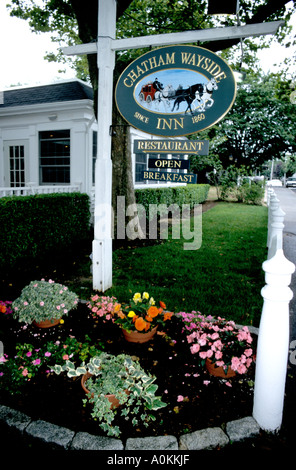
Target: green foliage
120	376
28	361
42	300
191	194
260	126
35	225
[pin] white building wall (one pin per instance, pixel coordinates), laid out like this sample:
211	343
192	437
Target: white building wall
25	123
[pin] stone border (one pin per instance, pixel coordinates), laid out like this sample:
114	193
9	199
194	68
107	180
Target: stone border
61	438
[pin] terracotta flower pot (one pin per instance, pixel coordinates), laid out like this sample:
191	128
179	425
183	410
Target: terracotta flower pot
219	371
138	337
47	323
113	400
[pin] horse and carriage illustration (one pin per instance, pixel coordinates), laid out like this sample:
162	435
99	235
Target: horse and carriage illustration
198	96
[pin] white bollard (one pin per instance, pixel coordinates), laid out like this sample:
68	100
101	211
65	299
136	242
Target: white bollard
273	343
276	227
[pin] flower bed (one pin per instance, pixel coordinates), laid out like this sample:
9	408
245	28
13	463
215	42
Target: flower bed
193	398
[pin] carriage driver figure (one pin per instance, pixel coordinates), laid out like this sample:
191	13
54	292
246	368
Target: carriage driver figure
157	85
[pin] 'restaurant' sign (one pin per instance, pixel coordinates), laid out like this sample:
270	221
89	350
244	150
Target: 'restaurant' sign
176	90
197	147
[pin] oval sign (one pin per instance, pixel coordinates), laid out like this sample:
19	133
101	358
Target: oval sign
175	91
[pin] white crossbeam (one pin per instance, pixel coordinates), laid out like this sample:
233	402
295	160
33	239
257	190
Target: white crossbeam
211	34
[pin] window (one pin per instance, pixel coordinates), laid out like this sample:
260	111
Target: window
141	165
54	157
17	166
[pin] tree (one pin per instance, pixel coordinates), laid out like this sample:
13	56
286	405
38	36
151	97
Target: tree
261	125
71	23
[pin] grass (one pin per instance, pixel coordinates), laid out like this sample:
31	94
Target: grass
224	277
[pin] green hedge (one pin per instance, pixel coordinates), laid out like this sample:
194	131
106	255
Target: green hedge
32	226
190	194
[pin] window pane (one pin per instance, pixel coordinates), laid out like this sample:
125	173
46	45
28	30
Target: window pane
54	156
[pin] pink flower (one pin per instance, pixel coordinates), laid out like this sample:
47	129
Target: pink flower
47	354
180	398
26	303
206	382
29	354
248	352
36	362
241	369
41	303
65	357
25	372
58	307
203	354
235	363
195	348
228	384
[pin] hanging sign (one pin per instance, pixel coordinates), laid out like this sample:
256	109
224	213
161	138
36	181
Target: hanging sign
166	163
154	175
176	90
196	147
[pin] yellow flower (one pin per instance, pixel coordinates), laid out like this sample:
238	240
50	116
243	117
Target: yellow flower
145	295
152	301
131	314
137	297
62	321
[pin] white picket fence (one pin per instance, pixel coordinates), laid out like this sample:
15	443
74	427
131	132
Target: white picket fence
273	337
33	189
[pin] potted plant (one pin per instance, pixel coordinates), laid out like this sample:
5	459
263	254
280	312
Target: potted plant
103	307
140	318
116	384
219	344
44	303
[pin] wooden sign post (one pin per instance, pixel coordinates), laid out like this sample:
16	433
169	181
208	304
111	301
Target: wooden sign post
105	48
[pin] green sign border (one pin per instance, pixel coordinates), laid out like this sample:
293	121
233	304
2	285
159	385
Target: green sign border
179	57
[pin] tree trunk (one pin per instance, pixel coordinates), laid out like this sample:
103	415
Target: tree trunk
123	194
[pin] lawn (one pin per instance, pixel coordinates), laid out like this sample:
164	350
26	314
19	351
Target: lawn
223	277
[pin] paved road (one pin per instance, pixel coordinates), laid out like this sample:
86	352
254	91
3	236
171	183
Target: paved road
287	198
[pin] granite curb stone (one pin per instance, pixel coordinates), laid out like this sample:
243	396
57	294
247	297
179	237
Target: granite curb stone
152	443
205	439
51	434
241	429
85	441
63	438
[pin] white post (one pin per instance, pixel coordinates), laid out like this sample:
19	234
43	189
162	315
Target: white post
102	243
273	343
276	226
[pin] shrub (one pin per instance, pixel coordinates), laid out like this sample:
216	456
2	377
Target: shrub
191	194
35	225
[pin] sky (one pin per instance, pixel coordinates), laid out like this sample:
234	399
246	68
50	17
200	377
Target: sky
22	54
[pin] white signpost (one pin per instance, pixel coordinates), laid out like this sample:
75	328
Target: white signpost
105	48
